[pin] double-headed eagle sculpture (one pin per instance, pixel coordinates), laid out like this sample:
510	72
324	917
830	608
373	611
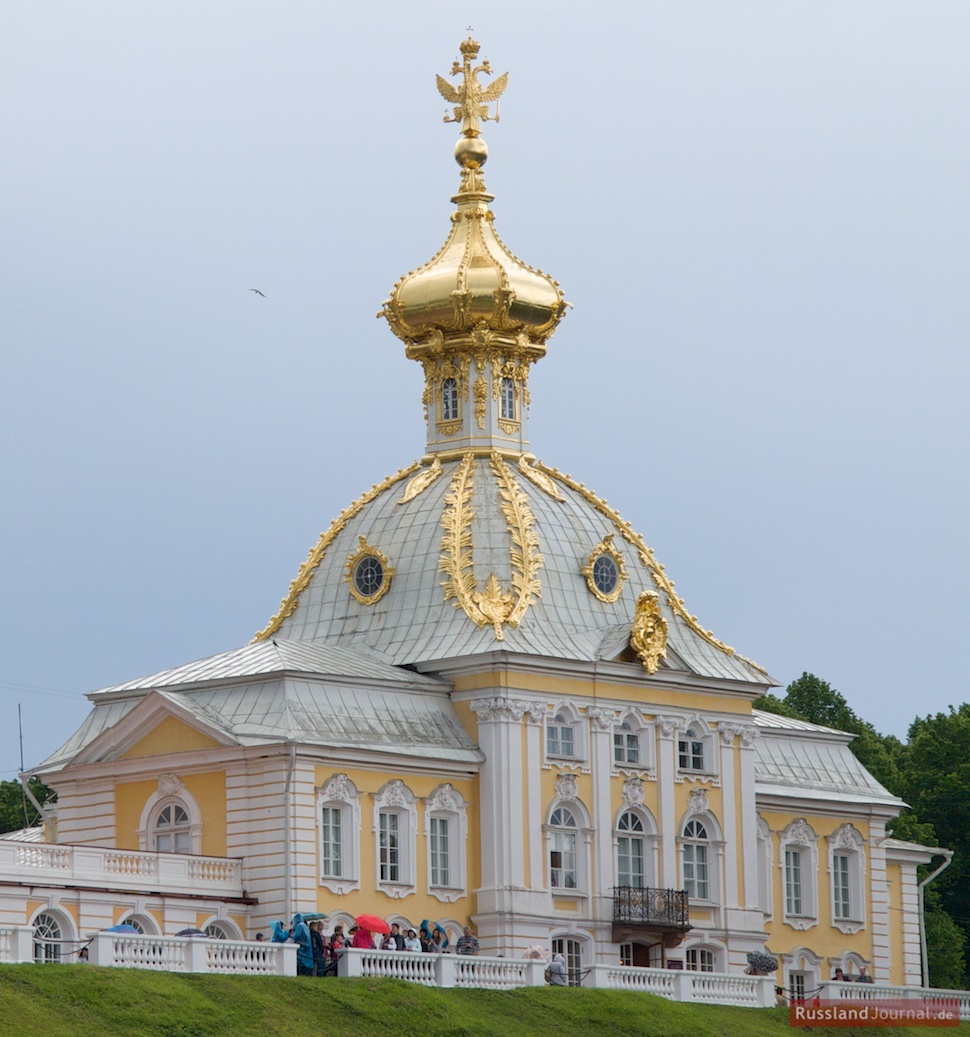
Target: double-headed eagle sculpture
470	98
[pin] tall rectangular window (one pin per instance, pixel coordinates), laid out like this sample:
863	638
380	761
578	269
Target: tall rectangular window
690	752
696	876
390	845
562	860
331	865
626	745
793	882
841	898
508	399
560	740
629	861
439	852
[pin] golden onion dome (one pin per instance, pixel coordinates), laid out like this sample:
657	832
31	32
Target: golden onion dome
474	283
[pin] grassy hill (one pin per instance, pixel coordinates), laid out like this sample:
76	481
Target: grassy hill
85	1001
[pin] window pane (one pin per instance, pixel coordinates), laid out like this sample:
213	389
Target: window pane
840	890
439	851
331	840
390	848
793	882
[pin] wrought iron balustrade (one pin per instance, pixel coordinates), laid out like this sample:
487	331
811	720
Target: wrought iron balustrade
641	905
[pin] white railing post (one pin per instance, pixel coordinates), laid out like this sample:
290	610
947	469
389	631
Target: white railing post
196	954
286	959
349	964
444	970
683	985
535	973
101	949
23	943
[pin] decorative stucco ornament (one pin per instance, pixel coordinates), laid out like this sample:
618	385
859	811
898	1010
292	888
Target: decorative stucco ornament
648	636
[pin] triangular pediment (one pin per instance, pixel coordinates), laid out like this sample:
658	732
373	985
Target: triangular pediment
158	726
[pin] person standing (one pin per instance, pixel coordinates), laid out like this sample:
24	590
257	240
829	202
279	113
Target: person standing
304	948
558	976
397	937
467	943
319	948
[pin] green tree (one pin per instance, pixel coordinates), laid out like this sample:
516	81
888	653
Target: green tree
16	810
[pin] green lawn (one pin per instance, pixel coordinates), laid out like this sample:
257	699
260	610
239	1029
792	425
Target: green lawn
85	1001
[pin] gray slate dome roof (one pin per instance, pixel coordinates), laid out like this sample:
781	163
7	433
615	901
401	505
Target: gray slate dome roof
448	533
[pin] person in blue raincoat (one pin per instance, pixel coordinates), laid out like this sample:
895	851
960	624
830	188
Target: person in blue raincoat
280	935
304	946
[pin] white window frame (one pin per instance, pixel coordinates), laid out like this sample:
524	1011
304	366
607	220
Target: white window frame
846	842
508	409
714	846
765	859
695	738
799	842
554	842
573	949
340	793
648	837
447	804
701	957
395	798
56	926
154	806
565	715
450	400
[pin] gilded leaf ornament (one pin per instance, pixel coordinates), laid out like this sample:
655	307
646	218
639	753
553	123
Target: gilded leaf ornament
648	635
316	555
491	605
540	479
420	482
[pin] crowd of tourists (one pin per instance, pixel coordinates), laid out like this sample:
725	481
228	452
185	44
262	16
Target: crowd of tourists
317	953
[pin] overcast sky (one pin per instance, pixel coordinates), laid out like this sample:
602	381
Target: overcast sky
758	209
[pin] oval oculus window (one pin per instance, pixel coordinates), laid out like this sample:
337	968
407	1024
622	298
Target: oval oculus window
604	570
368	573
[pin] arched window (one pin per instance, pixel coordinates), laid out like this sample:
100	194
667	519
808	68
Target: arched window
696	861
630	851
449	399
172	831
47	937
701	959
216	931
572	951
508	399
563	849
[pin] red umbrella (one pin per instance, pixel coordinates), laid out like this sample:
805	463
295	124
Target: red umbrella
373	924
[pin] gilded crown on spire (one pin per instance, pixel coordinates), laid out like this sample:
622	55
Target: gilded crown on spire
475	316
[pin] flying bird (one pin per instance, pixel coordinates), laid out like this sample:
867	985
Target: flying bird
258	292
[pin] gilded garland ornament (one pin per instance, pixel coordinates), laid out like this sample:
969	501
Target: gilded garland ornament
491	605
660	578
540	479
316	555
648	635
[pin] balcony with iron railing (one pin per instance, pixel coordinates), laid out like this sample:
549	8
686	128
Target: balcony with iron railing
641	909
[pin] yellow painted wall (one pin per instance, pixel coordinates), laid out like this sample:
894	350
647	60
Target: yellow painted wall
895	889
170	736
417	906
207	789
824	939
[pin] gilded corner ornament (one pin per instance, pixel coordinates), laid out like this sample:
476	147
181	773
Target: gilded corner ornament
648	635
540	479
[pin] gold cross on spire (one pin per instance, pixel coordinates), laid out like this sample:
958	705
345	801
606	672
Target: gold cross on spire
470	98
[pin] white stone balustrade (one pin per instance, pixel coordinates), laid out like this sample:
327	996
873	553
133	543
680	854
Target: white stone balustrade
16	943
99	866
833	991
716	988
192	954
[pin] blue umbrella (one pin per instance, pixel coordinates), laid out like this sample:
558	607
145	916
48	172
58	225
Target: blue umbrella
124	927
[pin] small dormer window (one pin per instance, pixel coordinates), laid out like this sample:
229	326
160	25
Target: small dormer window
604	570
449	399
559	736
605	574
368	576
690	751
508	399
